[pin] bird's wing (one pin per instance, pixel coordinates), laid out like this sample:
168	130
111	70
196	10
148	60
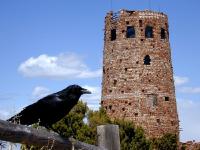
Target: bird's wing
29	114
51	100
32	113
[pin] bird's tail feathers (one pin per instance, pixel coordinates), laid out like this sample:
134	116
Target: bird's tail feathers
15	119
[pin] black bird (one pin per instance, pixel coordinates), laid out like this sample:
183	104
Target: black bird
51	108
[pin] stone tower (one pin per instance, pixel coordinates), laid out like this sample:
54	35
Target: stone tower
138	82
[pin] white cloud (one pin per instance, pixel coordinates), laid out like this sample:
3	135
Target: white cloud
39	92
180	80
59	67
189	120
189	90
93	100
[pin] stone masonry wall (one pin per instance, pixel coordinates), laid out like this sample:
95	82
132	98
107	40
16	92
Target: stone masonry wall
131	89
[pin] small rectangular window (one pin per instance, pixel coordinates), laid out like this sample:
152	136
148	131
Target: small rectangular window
158	121
162	34
166	98
149	32
130	32
140	23
172	123
115	82
113	34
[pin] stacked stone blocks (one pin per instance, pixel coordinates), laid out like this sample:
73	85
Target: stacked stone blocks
138	80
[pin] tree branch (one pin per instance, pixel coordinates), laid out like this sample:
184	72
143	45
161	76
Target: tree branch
26	135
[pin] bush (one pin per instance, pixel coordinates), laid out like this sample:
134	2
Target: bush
132	138
167	142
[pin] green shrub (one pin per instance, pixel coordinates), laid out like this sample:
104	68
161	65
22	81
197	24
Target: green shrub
167	142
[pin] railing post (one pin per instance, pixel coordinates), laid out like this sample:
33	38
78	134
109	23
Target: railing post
108	137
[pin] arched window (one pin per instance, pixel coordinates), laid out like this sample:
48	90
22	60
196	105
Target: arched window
162	33
113	34
130	32
147	60
149	32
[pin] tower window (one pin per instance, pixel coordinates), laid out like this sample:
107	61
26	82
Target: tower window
113	34
149	32
166	98
162	33
140	23
172	123
147	60
130	32
115	82
158	121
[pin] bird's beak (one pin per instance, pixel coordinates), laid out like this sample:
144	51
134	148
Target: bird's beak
85	91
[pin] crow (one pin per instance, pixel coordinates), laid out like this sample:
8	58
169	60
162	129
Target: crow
51	108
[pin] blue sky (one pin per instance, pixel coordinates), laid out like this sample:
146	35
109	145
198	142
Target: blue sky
47	45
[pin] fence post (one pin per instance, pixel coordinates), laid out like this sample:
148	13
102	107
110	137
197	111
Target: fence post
108	137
